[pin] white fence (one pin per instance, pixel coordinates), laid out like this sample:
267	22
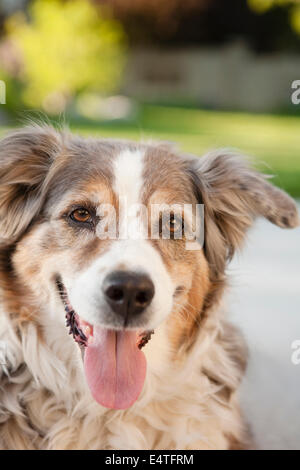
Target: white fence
229	77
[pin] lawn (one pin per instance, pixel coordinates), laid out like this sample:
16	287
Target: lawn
273	140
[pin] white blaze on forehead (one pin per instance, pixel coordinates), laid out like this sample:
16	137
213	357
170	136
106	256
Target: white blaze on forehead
128	185
128	175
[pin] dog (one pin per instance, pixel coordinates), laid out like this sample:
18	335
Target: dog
151	361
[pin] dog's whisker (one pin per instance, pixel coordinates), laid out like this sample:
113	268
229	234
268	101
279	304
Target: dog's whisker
183	309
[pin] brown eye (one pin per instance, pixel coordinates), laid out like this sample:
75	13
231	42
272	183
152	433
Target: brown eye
172	228
81	215
175	224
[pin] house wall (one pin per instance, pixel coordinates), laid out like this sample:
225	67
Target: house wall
230	77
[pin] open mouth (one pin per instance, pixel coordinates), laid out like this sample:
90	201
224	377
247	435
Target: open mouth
115	366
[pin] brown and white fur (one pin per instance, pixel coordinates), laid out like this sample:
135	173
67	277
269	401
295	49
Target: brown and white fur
195	359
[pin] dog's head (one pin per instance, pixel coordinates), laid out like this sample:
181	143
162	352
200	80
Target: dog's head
101	228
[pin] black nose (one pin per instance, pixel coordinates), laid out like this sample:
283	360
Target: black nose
128	293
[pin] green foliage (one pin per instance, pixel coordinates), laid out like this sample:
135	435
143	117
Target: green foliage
66	48
261	6
295	19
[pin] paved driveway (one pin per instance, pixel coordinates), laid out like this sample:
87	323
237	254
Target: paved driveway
265	303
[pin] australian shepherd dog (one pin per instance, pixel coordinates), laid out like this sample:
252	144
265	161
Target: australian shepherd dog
113	259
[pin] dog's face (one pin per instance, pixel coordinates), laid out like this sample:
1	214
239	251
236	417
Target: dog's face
101	230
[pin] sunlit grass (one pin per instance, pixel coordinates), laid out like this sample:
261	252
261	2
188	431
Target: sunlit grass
272	140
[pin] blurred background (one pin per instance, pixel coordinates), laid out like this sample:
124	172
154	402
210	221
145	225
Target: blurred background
204	74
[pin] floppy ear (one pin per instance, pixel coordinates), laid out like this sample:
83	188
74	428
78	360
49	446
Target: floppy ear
234	194
25	158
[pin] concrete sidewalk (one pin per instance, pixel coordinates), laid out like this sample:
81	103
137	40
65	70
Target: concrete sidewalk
265	303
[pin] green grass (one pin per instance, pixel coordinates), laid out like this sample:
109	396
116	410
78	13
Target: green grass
273	140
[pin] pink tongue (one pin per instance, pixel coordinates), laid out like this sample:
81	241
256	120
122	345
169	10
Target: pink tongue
115	368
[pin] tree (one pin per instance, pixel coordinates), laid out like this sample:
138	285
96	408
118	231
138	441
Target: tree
265	25
66	48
